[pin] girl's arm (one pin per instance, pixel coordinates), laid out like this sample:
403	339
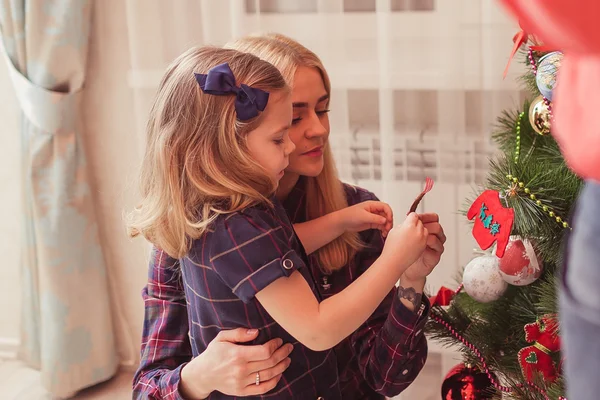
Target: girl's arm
321	326
366	215
254	252
398	322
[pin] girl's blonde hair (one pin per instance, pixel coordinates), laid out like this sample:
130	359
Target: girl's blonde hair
193	141
324	193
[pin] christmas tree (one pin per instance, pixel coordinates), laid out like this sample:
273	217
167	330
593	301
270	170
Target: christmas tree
503	313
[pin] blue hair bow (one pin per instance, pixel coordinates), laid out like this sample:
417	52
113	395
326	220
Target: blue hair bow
221	82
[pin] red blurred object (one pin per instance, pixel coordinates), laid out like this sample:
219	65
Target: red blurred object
563	24
571	27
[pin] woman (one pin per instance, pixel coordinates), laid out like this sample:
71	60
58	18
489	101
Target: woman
380	359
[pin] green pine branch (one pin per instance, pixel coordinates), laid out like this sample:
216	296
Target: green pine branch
496	329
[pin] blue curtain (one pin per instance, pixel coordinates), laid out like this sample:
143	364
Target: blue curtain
67	331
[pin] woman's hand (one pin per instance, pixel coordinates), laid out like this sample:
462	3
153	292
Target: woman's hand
230	368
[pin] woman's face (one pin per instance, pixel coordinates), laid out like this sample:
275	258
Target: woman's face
310	124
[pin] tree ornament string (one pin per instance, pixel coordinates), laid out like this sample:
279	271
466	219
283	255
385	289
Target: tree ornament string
532	61
484	365
475	350
548	104
518	139
538	202
534	70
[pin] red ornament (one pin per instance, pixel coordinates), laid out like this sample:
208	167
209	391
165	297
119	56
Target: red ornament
493	222
443	297
520	265
519	39
536	359
465	383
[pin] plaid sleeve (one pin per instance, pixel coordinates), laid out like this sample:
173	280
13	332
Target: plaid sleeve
250	250
390	346
165	341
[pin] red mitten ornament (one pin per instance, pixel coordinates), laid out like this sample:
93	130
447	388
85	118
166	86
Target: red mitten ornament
536	359
493	222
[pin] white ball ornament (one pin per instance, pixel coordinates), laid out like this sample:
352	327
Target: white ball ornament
482	279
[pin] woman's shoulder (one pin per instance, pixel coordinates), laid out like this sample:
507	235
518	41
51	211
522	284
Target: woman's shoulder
356	194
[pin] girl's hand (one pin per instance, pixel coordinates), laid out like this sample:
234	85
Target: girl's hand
430	258
367	215
406	242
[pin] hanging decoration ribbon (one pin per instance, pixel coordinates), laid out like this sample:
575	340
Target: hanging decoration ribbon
519	40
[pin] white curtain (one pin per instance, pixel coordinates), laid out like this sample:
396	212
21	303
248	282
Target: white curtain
417	85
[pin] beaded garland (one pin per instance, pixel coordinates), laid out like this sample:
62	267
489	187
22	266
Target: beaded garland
475	350
518	140
534	69
538	202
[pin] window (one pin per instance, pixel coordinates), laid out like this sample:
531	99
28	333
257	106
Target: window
281	6
413	5
441	134
359	5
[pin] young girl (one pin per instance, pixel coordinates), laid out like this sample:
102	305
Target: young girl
217	147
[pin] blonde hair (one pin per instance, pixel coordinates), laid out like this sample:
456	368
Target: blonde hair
193	140
324	193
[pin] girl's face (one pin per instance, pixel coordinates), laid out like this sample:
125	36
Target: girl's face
310	124
269	144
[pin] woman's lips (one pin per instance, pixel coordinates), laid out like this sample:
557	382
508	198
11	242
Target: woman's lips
316	152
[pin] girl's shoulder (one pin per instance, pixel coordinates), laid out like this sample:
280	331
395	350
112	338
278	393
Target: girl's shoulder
269	214
356	194
247	224
247	249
